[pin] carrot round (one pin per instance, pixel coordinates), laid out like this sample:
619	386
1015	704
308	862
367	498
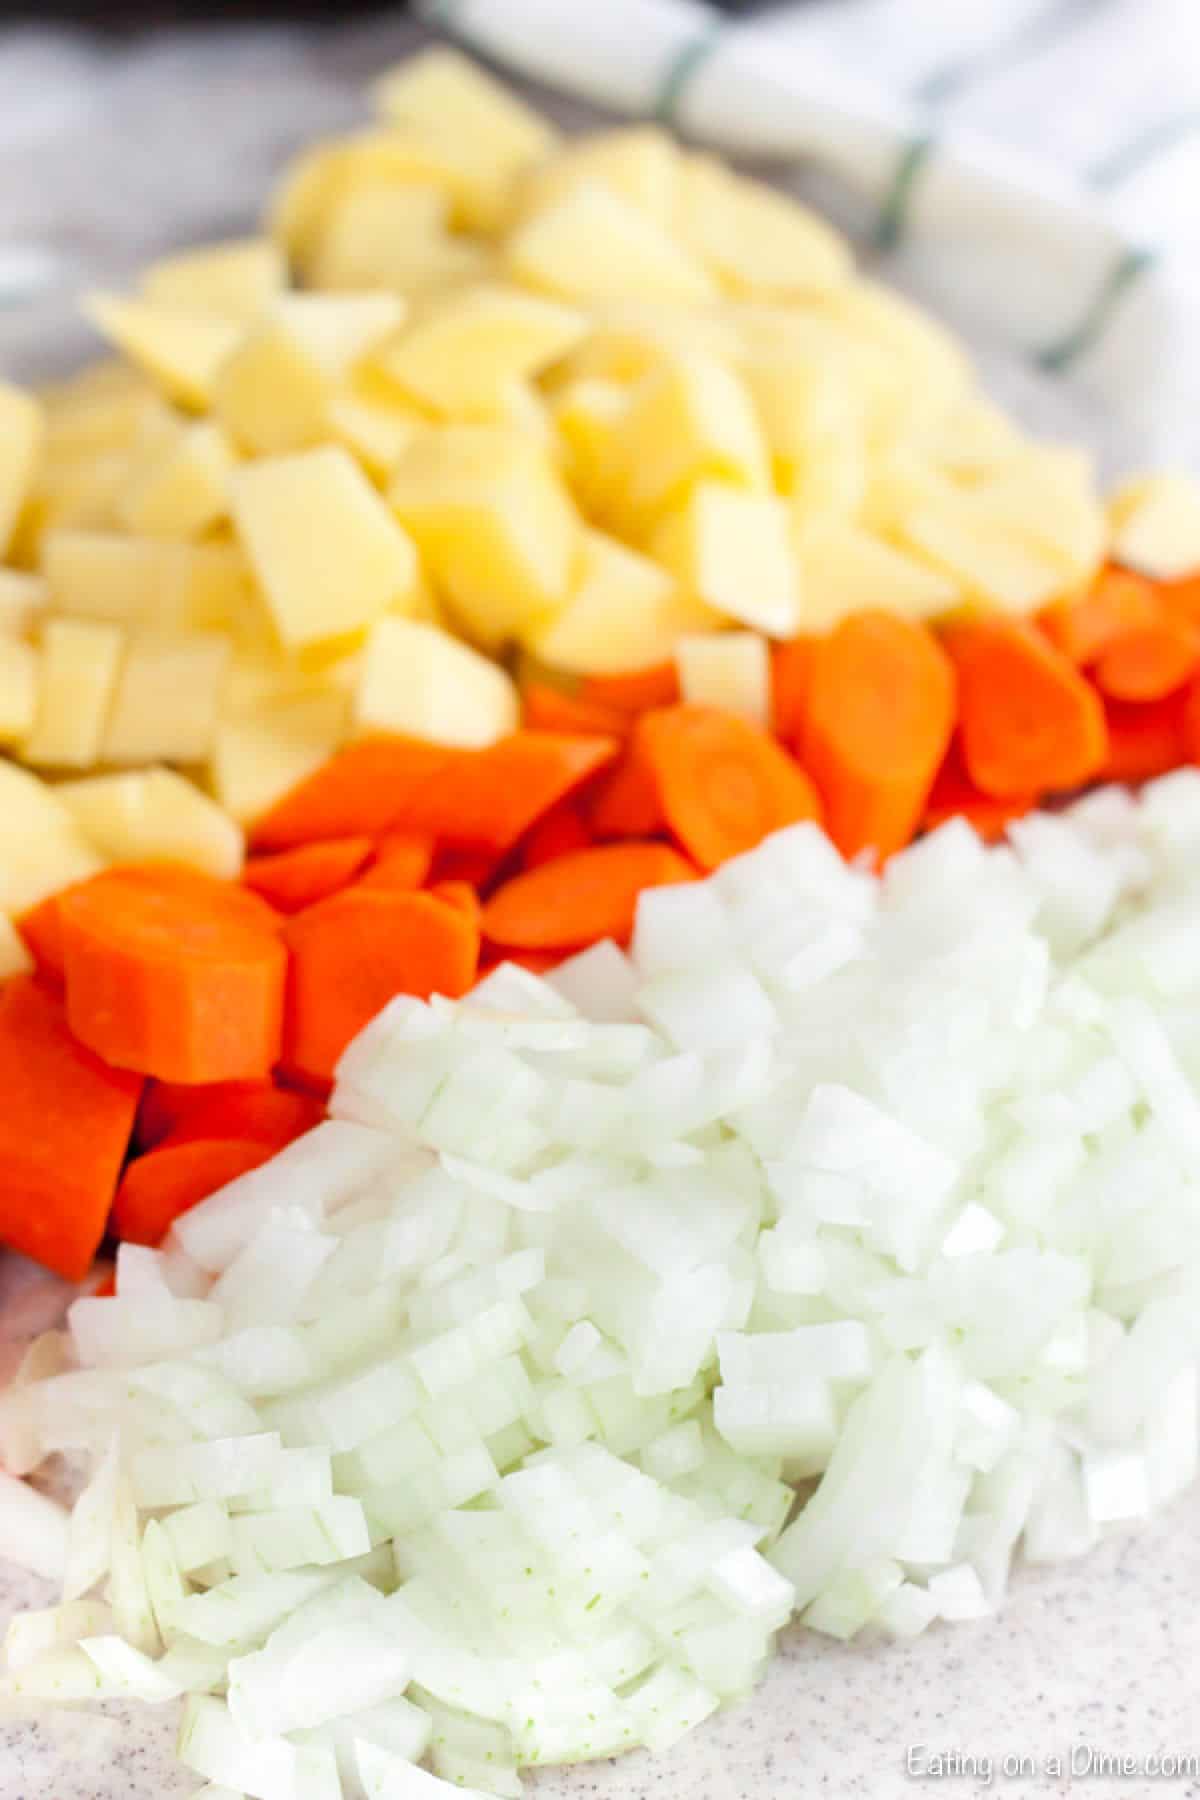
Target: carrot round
166	1182
1181	597
626	801
402	860
465	862
1149	739
180	979
166	1106
791	678
546	708
1084	625
41	930
290	880
254	1115
352	953
880	711
64	1130
459	894
487	799
1149	661
1029	720
360	792
723	785
560	831
587	895
954	796
642	690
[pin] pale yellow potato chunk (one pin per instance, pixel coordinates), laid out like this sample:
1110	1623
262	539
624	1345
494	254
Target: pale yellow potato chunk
23	600
41	848
273	394
14	956
154	815
689	421
19	666
181	351
21	429
494	523
167	699
239	278
733	550
588	416
994	566
1156	525
258	757
376	234
80	662
638	163
933	363
973	438
730	670
183	490
418	680
463	356
144	581
594	246
371	419
846	569
1046	497
813	417
756	240
625	613
315	183
629	339
328	554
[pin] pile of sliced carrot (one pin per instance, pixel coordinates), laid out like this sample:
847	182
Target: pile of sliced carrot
180	1030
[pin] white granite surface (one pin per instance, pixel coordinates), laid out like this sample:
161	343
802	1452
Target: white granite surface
102	162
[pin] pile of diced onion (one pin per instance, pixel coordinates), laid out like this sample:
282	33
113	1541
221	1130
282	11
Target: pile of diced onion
807	1260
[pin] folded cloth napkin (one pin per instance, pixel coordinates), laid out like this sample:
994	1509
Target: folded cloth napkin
1030	168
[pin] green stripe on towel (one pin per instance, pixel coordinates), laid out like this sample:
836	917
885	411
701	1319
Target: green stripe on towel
1056	358
682	67
1139	152
893	214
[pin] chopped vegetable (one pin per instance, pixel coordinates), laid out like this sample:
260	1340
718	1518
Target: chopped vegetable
490	798
1029	720
1086	624
550	709
175	1176
580	897
294	879
1149	661
403	859
362	791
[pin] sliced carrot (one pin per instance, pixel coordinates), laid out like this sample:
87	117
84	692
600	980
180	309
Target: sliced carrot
255	1115
556	834
351	954
1150	739
1083	626
64	1130
158	1187
879	718
723	785
548	708
179	979
955	796
459	894
791	678
587	895
1181	597
402	860
360	792
1149	661
461	862
41	929
489	798
626	801
1029	720
290	880
638	692
167	1105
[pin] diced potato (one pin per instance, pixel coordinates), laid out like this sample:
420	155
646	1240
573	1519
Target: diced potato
1046	497
463	356
374	421
181	351
238	278
593	246
638	163
755	240
327	552
81	492
1156	525
41	847
183	490
494	523
845	569
23	600
733	550
258	757
627	340
167	699
154	815
422	682
973	438
18	689
376	234
730	670
88	423
14	957
624	614
814	420
934	363
143	581
274	392
689	421
21	428
994	567
80	661
589	416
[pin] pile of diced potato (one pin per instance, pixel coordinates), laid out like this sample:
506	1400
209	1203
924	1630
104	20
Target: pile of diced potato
481	393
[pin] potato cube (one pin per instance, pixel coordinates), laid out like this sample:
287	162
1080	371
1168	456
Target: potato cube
629	339
589	415
1046	497
183	490
591	245
181	351
154	815
972	438
465	354
327	552
257	758
18	689
274	392
21	429
370	418
14	957
41	847
80	661
316	183
815	423
376	234
420	681
637	163
167	698
689	421
733	551
1156	525
624	614
23	600
238	278
756	240
994	566
845	569
144	581
494	523
730	670
931	361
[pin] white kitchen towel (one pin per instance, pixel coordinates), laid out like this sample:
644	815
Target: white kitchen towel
1030	166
